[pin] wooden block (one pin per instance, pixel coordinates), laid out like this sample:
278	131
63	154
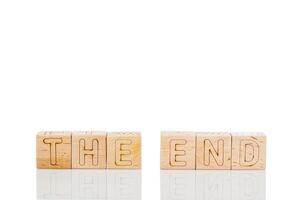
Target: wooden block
53	150
177	150
89	150
248	151
213	151
123	151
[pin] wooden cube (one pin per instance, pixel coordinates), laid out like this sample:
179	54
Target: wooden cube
213	151
248	151
89	150
177	150
123	150
53	150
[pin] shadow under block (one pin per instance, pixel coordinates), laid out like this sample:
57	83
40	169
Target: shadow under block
89	150
213	151
177	150
248	151
123	151
53	150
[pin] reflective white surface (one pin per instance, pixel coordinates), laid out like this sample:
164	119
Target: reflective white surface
175	185
213	185
89	184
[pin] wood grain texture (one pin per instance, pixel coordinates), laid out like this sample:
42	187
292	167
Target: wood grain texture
53	150
89	150
213	151
248	151
124	150
177	150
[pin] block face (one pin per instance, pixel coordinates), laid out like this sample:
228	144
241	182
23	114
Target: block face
248	151
89	150
213	151
177	150
123	150
53	150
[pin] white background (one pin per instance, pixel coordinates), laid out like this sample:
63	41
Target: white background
230	65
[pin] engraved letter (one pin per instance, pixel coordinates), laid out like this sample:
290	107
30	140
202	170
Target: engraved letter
84	152
176	152
216	153
53	153
249	153
123	153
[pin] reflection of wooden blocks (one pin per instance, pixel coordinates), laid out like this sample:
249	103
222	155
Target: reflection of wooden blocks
123	151
88	185
123	185
53	150
89	150
178	184
213	185
213	151
248	184
53	184
248	151
177	150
